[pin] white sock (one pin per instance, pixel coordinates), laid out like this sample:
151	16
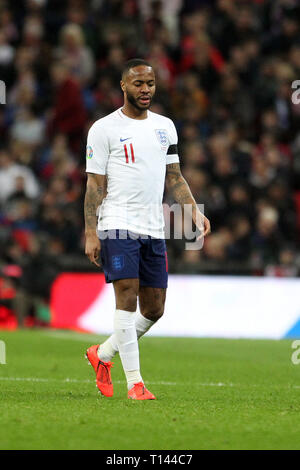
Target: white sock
133	377
124	325
109	348
142	324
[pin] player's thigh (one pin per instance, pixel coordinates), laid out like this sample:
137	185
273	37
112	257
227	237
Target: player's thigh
152	301
153	268
119	255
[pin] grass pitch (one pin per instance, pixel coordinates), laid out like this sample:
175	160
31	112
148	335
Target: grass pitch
211	394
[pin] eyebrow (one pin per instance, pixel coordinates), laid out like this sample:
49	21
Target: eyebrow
143	81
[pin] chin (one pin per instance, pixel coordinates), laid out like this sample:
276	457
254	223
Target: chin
142	107
146	106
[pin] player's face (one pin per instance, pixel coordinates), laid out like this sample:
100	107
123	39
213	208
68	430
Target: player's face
139	86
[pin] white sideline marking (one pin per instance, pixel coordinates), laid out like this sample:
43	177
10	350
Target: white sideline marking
80	381
67	380
73	335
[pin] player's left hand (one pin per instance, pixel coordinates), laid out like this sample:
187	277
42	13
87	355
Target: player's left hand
204	227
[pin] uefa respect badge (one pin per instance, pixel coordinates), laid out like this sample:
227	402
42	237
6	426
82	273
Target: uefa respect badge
89	152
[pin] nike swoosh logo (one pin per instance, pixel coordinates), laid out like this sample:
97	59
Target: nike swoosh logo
122	140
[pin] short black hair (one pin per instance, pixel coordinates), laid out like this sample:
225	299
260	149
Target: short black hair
130	64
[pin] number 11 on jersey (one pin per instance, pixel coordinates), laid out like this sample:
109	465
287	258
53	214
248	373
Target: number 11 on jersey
126	153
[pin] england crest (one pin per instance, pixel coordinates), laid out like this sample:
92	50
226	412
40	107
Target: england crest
117	262
162	136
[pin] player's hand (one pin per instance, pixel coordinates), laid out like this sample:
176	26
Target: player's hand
92	248
204	228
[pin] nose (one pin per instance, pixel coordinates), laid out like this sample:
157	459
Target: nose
145	88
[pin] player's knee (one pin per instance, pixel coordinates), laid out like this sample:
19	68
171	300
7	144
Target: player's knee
129	300
126	297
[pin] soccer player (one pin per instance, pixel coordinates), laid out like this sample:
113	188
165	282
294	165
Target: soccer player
130	154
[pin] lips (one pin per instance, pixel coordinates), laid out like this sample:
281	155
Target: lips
145	99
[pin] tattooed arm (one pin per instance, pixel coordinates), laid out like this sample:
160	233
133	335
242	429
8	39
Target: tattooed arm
181	192
94	195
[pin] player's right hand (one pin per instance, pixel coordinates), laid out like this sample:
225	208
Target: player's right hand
92	248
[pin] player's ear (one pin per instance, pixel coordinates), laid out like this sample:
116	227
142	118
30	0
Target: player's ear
122	85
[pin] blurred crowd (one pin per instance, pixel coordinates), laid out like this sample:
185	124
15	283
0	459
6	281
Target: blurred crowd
224	73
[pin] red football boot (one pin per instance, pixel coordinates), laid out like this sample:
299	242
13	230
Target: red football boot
139	392
102	369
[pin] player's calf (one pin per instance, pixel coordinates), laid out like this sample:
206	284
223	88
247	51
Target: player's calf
152	302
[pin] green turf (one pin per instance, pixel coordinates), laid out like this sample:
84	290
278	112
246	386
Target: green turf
255	406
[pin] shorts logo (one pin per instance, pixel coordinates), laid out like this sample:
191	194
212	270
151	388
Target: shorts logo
162	136
89	152
117	262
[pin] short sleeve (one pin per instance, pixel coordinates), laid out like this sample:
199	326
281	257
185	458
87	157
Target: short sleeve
97	150
172	153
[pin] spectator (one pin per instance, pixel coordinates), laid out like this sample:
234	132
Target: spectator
28	128
10	172
75	54
7	52
267	239
68	114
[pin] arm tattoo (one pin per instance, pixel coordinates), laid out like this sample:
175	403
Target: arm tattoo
93	198
178	186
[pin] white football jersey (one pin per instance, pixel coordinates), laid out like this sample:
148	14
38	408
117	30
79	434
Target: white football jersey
133	154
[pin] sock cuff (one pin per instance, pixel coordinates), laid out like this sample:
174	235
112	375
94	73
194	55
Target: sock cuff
140	320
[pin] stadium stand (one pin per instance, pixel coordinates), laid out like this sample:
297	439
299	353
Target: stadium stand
224	75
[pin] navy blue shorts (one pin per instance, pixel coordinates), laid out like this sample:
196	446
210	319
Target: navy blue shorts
125	255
